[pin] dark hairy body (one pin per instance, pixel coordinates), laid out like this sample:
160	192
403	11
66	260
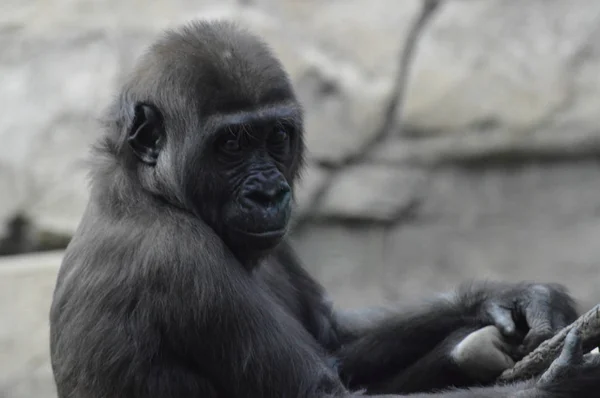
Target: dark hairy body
179	281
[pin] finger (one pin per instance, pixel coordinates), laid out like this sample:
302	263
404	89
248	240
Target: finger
539	314
507	348
561	320
498	340
564	307
540	330
539	318
481	354
502	319
572	352
501	342
504	351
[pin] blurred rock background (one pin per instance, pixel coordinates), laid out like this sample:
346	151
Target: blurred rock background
445	144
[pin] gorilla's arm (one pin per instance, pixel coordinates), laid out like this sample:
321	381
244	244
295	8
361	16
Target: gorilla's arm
373	345
520	390
379	344
468	357
383	328
396	346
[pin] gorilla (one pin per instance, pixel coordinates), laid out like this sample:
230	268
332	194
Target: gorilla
179	281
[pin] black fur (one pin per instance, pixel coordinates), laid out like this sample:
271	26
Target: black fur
179	283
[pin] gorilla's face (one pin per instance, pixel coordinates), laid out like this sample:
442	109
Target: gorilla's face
239	176
254	161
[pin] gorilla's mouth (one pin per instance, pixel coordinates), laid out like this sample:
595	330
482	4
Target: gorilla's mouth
257	228
270	234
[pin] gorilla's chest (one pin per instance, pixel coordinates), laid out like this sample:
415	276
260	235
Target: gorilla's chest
281	289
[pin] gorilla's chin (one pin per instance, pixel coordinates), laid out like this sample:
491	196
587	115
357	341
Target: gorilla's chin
256	241
258	223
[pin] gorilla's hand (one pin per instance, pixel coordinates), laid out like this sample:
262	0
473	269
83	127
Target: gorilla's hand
528	313
483	354
580	371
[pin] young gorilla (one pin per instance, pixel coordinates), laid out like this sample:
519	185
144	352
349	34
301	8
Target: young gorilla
178	282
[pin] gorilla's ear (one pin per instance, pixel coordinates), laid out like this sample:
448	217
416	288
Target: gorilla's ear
146	133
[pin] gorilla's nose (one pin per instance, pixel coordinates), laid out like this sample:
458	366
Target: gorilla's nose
268	195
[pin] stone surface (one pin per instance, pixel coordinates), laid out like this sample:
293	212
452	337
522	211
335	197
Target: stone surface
43	17
26	286
559	143
534	222
371	192
503	63
49	121
583	101
347	260
312	181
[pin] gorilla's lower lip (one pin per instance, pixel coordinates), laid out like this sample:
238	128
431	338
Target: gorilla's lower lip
264	234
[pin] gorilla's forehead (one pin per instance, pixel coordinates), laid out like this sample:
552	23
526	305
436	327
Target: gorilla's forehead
213	68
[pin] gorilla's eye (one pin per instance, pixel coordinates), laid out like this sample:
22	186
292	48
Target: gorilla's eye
279	136
229	143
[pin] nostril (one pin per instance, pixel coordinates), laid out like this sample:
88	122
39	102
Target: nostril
259	197
266	197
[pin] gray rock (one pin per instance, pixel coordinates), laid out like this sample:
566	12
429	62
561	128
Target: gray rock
312	181
52	90
110	15
372	192
538	193
348	261
504	63
561	142
582	102
26	287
